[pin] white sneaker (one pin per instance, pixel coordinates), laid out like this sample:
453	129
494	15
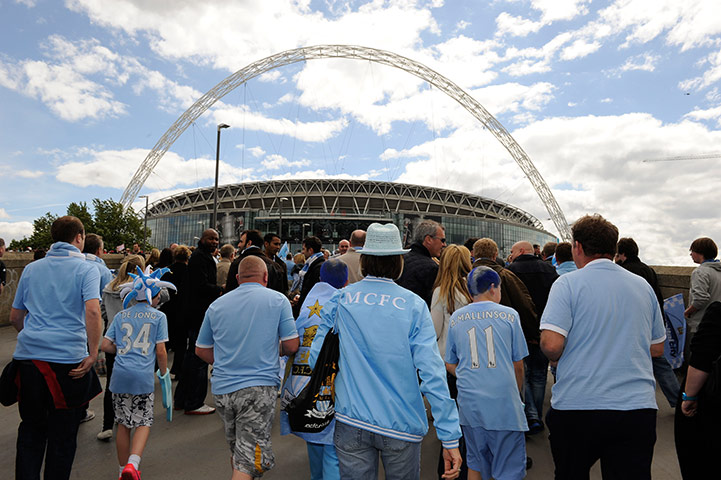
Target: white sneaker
105	435
89	415
204	410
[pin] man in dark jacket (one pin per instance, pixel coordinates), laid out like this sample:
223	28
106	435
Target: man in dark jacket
310	274
627	257
203	290
251	243
514	293
419	268
537	276
273	244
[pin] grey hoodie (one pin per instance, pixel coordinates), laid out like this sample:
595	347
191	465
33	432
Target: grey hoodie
705	289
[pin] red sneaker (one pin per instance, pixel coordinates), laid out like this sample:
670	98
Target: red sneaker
130	473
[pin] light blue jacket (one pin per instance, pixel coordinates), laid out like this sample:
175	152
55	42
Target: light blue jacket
386	334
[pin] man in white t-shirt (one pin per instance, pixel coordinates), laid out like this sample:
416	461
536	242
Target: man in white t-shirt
239	336
602	324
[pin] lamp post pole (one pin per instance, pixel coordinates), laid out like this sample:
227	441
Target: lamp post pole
217	164
145	228
304	225
280	216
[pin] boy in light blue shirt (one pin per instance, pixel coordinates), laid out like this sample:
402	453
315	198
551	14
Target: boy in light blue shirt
485	351
137	336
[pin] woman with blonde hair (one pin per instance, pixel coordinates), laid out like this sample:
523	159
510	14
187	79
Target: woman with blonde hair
112	304
450	291
153	258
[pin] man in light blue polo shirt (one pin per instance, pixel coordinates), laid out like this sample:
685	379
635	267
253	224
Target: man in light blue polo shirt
57	312
92	250
239	336
602	324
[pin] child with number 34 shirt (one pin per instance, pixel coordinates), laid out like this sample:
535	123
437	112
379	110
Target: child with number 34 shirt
485	351
137	336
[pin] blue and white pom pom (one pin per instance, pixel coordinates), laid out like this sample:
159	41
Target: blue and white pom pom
144	286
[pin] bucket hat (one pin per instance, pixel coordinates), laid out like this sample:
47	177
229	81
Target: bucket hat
383	240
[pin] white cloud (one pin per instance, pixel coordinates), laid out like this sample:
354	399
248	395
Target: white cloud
115	168
709	77
255	151
462	25
553	10
590	152
3	213
606	100
27	3
507	24
9	172
225	34
10	231
243	117
276	162
273	76
645	62
579	49
707	114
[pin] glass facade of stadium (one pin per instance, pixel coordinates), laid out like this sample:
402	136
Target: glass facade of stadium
331	209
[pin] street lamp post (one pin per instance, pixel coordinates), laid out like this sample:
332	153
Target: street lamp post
280	216
217	164
145	228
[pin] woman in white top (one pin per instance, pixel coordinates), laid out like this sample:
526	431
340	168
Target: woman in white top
450	291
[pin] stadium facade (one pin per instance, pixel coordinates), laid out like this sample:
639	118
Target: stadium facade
332	208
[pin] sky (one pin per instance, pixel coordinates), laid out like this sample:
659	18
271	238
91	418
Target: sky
602	96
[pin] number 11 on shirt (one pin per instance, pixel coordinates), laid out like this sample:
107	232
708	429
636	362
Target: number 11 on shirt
490	348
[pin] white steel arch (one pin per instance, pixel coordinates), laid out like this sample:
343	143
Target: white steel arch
358	53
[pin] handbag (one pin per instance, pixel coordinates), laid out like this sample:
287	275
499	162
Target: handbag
9	384
314	407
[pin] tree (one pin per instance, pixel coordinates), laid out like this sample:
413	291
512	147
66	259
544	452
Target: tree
116	225
81	211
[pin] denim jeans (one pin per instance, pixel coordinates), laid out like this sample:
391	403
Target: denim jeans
536	365
323	462
666	379
358	451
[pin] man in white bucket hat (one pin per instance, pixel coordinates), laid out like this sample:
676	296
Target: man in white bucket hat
386	335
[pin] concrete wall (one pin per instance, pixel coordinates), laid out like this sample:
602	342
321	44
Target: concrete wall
15	264
672	280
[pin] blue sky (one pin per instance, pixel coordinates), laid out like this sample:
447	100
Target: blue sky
588	89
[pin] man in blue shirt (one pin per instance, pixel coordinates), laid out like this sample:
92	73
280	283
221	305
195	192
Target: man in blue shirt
485	351
57	312
239	336
602	324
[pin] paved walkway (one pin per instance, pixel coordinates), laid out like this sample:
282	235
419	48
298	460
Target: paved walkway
194	447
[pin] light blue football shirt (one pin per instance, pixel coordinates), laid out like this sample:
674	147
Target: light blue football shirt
307	325
105	275
54	290
135	331
610	318
484	339
243	328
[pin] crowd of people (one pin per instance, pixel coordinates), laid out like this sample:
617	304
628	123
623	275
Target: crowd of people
471	333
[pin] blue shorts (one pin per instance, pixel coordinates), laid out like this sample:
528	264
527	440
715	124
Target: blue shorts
496	454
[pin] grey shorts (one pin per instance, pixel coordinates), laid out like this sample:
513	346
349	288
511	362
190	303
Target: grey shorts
133	410
248	416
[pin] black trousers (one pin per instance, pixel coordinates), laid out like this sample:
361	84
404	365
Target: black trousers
108	412
45	432
622	440
697	440
193	383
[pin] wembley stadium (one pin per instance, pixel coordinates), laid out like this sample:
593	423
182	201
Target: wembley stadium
332	208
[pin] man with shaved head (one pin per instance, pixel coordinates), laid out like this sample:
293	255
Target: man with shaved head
343	247
537	276
240	336
352	256
204	290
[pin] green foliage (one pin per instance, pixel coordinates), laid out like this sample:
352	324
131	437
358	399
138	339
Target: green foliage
81	211
116	225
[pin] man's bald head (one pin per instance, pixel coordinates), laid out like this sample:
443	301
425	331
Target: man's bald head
358	238
521	248
252	269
